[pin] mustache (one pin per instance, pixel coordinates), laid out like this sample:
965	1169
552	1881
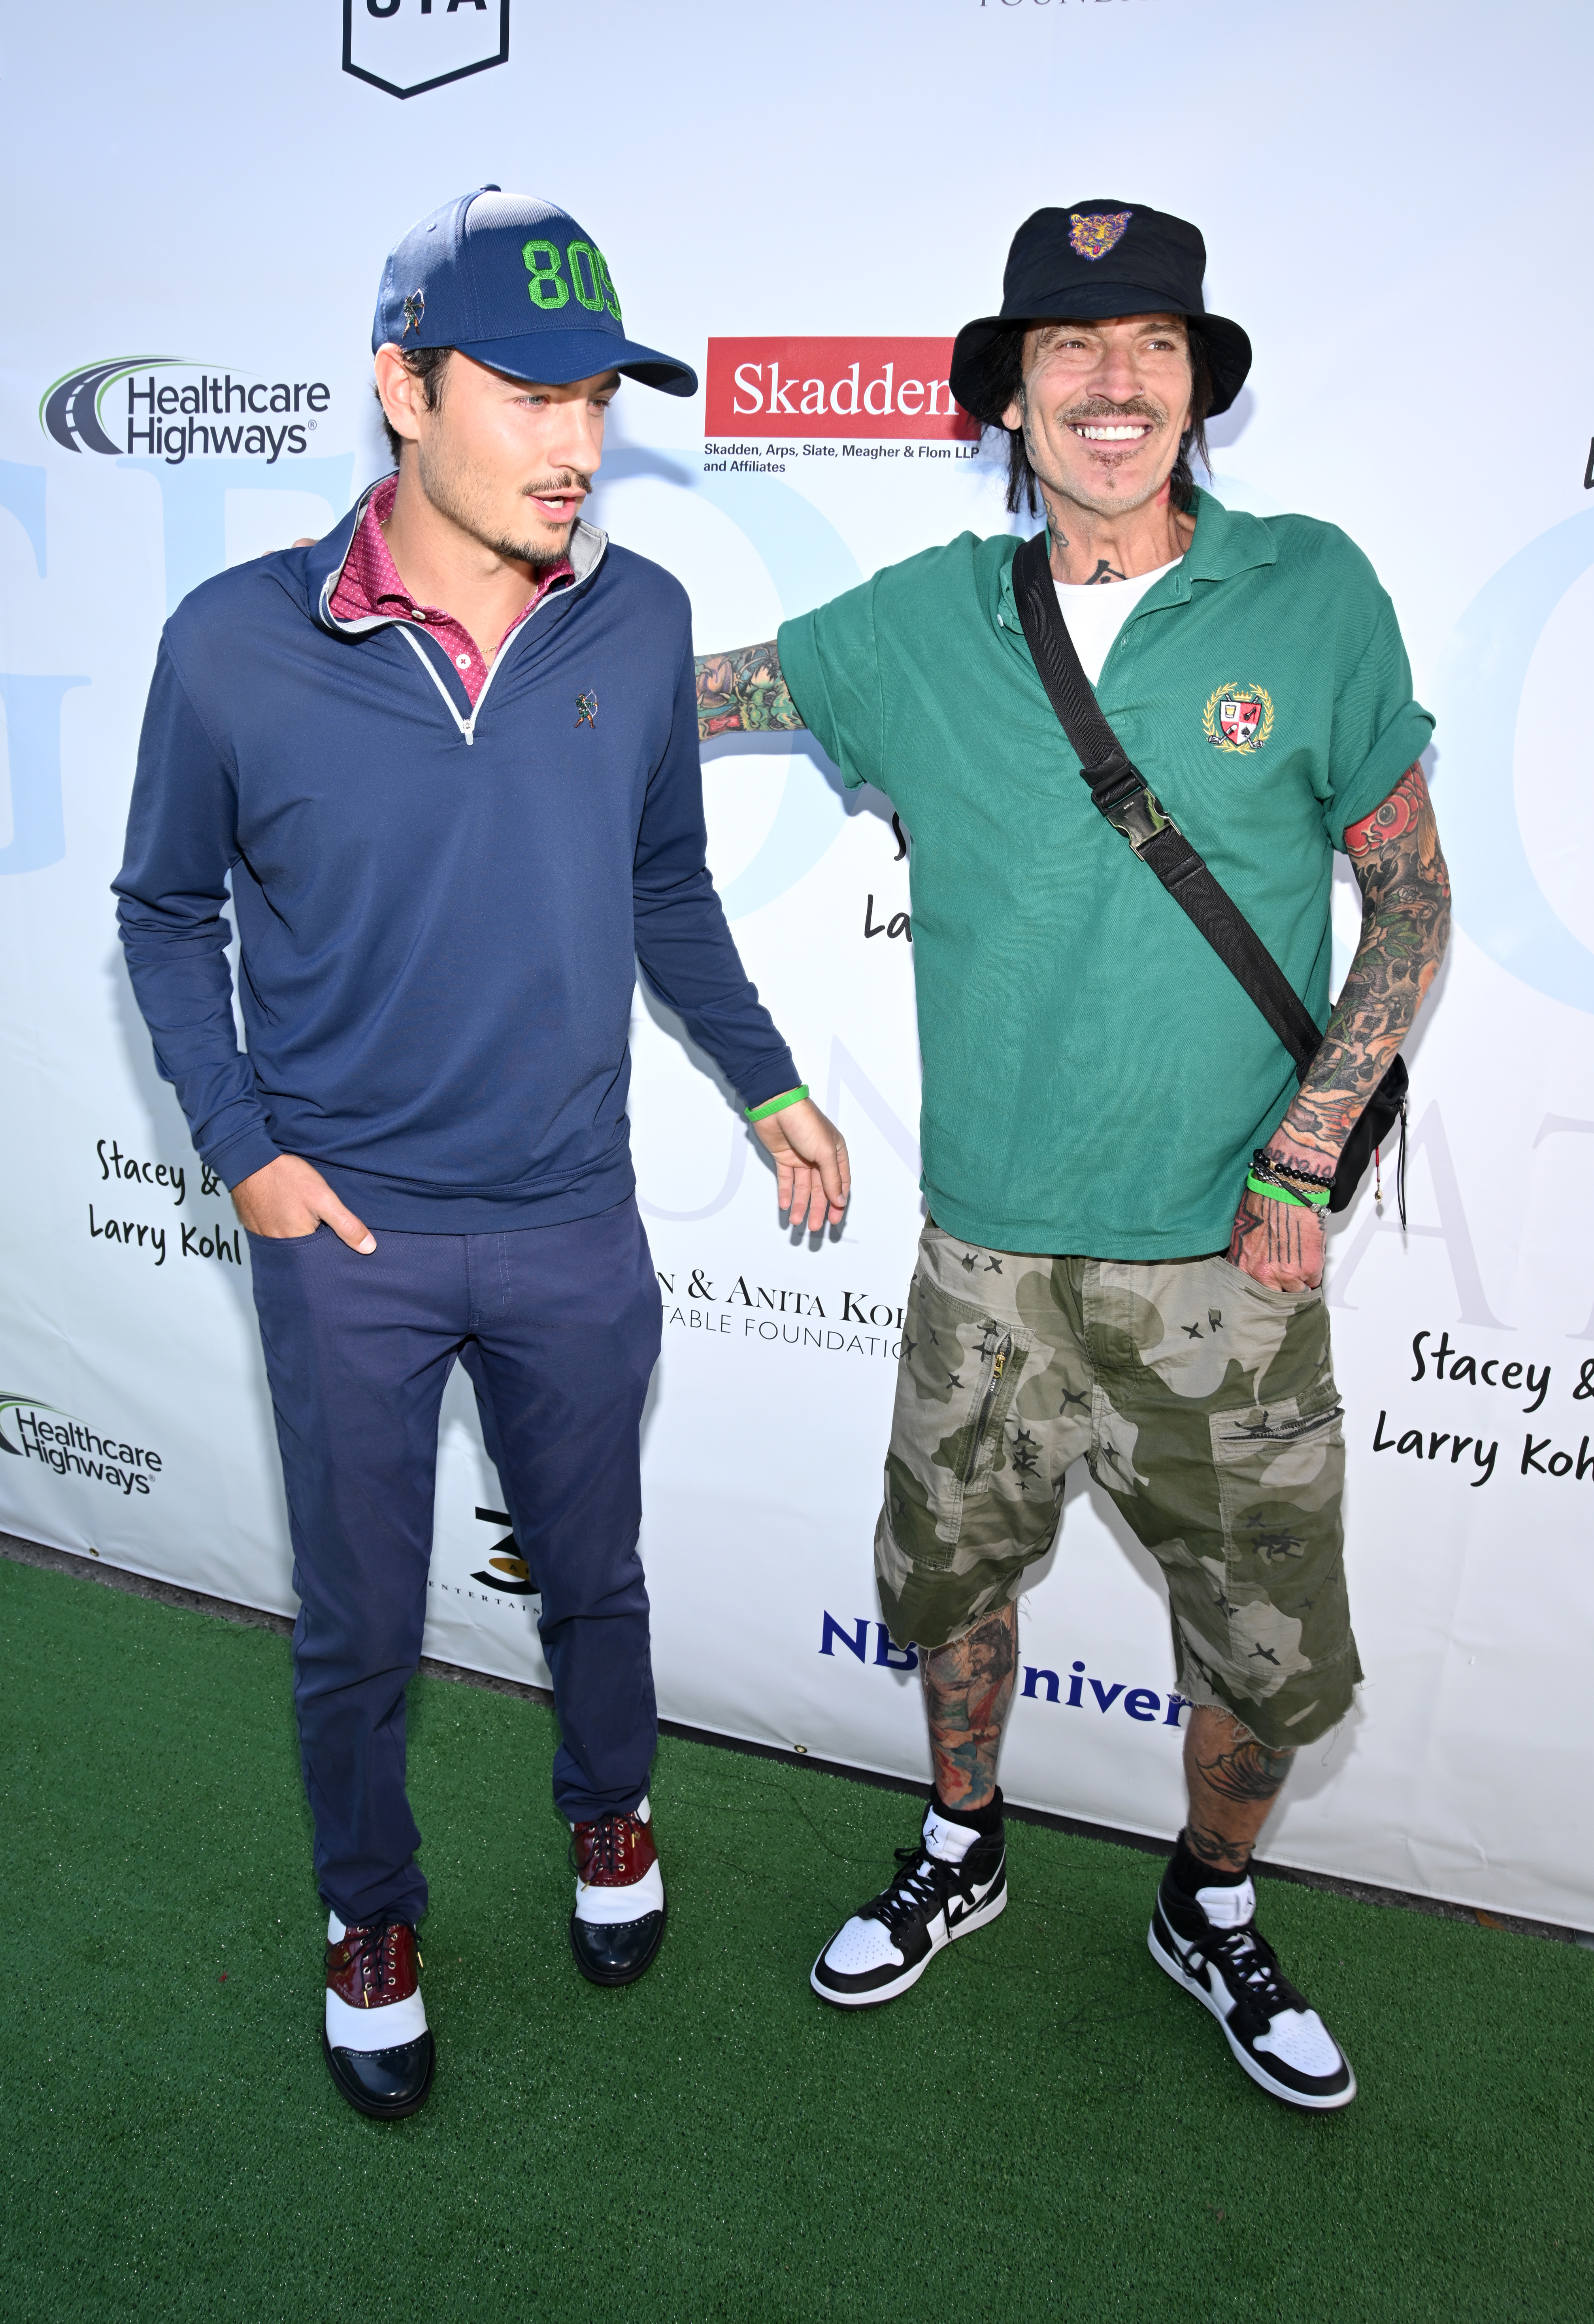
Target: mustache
1098	407
569	480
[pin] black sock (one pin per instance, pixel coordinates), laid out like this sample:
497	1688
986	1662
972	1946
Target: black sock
1190	1873
984	1821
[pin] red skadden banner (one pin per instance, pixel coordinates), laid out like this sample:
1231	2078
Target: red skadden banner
832	387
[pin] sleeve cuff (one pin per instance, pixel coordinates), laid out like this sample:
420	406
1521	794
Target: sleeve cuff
774	1082
1399	746
240	1158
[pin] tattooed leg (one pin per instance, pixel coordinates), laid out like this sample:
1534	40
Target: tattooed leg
1234	1781
967	1687
743	693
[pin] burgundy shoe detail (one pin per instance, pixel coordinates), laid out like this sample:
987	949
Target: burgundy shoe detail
614	1852
374	1963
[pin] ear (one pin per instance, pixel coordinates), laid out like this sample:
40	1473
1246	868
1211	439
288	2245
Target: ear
400	392
1013	417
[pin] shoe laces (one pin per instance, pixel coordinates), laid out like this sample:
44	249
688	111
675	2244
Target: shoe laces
1251	1968
607	1846
918	1888
372	1947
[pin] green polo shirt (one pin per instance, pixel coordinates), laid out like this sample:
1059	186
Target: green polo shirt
1094	1079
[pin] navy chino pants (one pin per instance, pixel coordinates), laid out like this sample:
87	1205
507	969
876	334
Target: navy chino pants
558	1328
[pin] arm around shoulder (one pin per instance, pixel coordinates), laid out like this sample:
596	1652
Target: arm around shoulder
743	693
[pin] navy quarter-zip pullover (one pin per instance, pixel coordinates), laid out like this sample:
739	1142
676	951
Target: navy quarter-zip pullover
439	910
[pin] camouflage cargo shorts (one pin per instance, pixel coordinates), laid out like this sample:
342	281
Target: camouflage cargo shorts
1205	1406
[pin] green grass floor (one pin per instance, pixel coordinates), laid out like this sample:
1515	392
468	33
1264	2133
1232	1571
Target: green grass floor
1045	2128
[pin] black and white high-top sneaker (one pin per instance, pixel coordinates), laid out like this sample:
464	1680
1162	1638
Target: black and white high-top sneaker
953	1882
1211	1945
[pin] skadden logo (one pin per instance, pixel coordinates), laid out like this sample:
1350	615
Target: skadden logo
842	388
408	46
127	405
69	1447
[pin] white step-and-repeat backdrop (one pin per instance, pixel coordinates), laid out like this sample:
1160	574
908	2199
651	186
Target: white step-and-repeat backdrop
200	201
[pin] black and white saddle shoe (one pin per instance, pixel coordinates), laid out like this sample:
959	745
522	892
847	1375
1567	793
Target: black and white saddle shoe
378	2047
618	1924
1211	1945
953	1882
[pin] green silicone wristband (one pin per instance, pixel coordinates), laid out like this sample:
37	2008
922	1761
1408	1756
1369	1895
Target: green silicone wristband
777	1104
1317	1197
1281	1193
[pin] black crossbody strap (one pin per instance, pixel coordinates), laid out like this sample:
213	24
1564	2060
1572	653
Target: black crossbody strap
1125	797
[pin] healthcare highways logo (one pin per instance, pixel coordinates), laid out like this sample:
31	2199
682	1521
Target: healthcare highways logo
133	404
31	1430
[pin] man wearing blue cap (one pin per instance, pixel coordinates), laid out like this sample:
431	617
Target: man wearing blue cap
446	761
1134	1113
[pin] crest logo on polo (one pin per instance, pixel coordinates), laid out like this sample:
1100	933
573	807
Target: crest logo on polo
1237	718
1093	233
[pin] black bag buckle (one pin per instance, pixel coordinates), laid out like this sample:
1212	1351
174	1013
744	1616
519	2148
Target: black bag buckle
1130	805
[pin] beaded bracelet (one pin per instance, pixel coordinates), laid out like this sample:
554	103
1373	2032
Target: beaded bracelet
777	1104
1317	1193
1268	1164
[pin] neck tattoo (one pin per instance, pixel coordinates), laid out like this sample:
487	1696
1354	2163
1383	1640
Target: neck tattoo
1104	572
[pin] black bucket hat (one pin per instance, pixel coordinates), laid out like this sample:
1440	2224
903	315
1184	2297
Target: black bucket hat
1098	258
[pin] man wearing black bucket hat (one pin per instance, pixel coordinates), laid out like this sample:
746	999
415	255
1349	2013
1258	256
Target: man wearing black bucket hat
445	761
1124	1250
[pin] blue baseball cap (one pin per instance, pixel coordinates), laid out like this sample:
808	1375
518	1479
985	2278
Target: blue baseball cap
514	283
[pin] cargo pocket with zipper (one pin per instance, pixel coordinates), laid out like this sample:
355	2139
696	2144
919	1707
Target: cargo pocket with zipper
960	1370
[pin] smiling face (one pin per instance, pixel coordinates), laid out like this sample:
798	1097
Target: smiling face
1103	407
509	463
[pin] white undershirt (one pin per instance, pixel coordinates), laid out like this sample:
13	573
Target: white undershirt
1095	611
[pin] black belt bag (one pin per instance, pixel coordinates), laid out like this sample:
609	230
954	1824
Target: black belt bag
1127	800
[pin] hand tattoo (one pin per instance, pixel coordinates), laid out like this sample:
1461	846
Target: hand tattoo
743	693
1283	1235
968	1687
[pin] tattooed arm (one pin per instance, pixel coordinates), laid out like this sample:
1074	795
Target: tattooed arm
1404	927
743	693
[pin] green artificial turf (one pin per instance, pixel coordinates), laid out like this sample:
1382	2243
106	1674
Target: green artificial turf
1045	2128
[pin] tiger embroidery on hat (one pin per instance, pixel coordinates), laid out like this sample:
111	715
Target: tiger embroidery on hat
1093	233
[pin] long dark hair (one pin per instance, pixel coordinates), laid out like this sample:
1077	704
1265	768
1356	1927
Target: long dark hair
1003	368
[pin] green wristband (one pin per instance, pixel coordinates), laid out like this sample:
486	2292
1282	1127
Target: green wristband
777	1104
1282	1194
